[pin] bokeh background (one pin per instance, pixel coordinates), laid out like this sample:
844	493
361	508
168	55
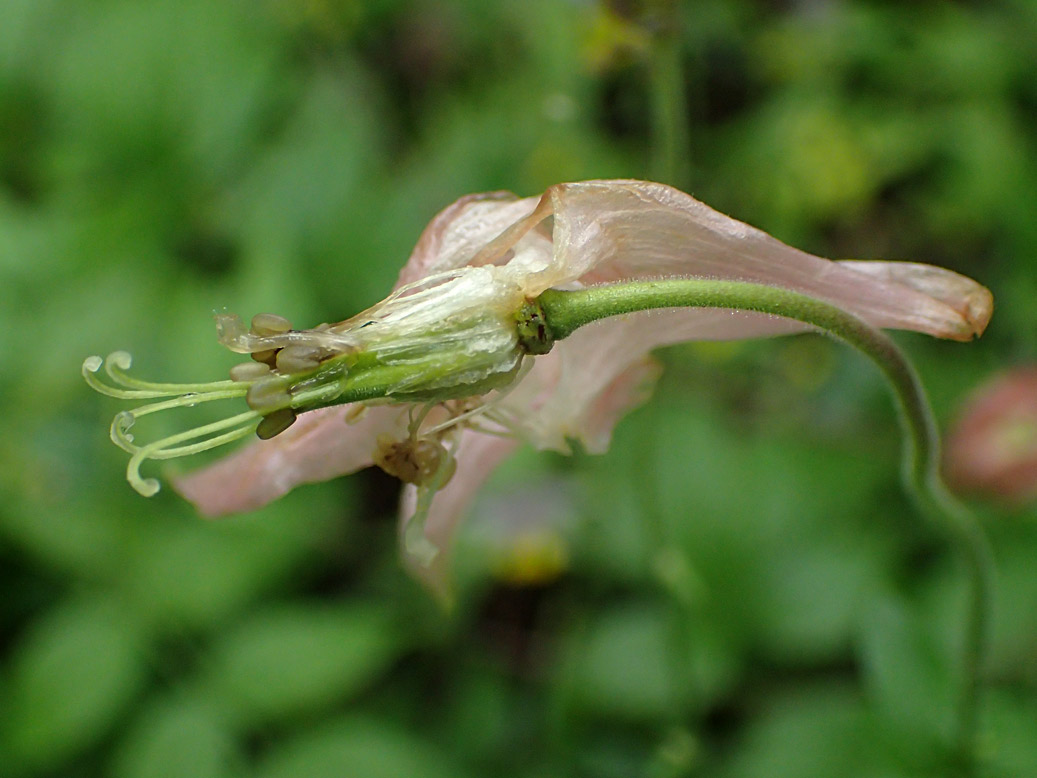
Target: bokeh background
739	588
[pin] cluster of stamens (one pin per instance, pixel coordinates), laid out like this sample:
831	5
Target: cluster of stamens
290	371
269	392
192	441
279	383
439	343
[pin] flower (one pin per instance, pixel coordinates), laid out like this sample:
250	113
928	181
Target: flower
472	375
992	448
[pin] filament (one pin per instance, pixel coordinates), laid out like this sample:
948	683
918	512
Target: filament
130	388
453	421
166	448
125	387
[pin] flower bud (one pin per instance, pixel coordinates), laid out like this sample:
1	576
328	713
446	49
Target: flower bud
992	449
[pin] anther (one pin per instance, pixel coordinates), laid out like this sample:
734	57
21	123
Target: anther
266	356
270	324
275	423
269	395
249	371
414	461
297	359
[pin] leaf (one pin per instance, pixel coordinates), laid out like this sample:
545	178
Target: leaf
181	736
194	573
811	732
624	665
357	746
1010	743
72	675
295	659
907	674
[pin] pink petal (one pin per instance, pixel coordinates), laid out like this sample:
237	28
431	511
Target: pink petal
608	231
992	448
477	457
590	379
320	445
973	303
461	230
629	389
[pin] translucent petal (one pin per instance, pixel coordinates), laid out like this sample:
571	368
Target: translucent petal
461	230
609	231
320	445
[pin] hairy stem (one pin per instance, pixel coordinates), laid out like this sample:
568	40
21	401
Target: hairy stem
565	312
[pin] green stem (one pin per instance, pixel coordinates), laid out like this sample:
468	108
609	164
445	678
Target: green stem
670	133
565	312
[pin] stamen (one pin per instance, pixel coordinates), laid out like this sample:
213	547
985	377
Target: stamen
270	324
166	448
487	410
129	388
275	423
231	332
416	545
415	424
269	333
269	395
266	356
503	434
506	420
455	420
249	371
297	359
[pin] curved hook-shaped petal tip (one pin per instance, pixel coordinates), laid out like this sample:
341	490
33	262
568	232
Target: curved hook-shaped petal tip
967	306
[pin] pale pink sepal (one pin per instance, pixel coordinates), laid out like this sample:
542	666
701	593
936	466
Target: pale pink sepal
461	230
614	231
319	446
611	231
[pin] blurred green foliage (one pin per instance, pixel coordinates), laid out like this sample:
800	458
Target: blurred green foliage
746	590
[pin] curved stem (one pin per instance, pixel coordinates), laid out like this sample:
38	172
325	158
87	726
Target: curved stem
565	312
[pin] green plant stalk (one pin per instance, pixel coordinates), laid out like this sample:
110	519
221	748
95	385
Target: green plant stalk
669	109
566	312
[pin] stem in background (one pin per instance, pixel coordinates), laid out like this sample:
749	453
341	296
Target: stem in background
565	312
669	122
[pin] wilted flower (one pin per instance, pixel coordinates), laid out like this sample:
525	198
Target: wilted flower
992	449
455	362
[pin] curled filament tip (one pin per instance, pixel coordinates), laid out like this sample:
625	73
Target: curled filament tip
168	397
125	387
